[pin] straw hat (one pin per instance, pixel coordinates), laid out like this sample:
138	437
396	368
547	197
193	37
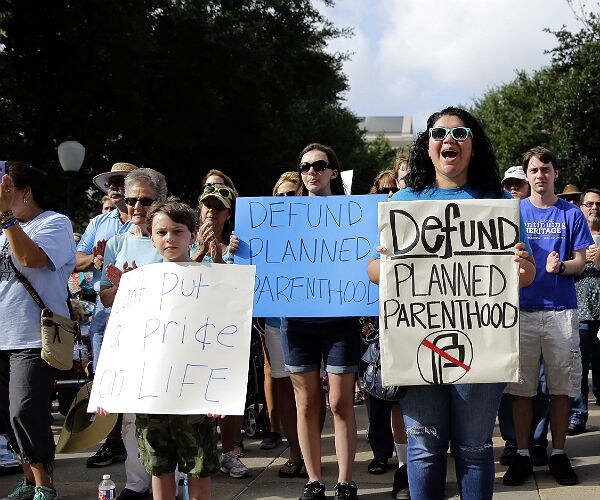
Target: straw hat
81	429
572	190
122	169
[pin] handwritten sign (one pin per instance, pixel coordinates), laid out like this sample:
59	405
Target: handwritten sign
449	296
311	254
177	341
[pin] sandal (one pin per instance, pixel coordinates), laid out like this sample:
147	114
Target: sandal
303	472
293	469
377	466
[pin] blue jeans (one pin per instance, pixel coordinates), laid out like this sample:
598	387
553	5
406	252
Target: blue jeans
463	414
540	420
97	327
590	352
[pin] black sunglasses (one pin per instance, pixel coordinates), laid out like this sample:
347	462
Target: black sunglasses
145	202
386	190
286	193
318	166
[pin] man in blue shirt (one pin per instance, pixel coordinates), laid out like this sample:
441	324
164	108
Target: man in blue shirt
559	235
90	256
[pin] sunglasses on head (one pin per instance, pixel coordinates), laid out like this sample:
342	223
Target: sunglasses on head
386	190
224	191
458	133
318	166
286	193
145	202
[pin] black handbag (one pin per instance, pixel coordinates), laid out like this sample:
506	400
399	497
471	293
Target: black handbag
372	376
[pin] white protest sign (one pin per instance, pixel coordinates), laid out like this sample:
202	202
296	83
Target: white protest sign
449	292
177	341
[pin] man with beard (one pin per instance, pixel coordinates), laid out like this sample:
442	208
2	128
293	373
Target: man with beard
90	256
587	286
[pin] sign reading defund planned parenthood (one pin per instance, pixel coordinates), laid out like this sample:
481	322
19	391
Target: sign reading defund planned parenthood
177	341
449	296
311	254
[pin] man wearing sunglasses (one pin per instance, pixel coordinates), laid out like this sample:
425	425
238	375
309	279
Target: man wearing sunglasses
559	236
90	256
587	286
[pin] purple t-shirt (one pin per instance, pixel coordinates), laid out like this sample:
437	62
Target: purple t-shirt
561	228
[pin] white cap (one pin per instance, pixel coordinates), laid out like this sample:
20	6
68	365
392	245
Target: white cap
515	172
106	476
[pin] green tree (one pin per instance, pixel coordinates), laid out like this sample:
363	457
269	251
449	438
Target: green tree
177	85
554	107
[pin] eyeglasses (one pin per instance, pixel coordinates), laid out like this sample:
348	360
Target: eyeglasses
458	133
117	180
318	166
145	202
386	190
509	183
286	193
223	191
591	204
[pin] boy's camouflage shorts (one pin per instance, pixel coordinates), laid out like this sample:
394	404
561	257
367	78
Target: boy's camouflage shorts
165	441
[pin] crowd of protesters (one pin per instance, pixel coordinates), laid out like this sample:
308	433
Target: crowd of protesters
452	159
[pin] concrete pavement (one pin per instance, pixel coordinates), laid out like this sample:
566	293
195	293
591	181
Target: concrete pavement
75	481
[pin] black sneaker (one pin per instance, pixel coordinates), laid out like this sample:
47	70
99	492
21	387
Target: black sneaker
508	455
539	456
560	468
314	490
519	471
400	489
109	453
346	491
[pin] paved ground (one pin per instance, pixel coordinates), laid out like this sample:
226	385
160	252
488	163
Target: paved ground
75	481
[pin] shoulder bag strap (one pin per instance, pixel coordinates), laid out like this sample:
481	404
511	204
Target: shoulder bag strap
28	286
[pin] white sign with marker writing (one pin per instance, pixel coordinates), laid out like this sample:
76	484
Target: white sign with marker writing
177	341
449	292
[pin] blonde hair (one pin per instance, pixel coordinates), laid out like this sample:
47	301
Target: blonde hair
287	177
387	176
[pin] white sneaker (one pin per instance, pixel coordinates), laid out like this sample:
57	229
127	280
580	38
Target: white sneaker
232	465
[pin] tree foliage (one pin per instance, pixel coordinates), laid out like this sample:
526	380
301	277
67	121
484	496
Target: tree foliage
181	86
554	107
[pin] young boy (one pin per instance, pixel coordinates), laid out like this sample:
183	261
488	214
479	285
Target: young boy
166	441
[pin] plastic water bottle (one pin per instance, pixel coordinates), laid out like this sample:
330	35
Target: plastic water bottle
107	490
186	493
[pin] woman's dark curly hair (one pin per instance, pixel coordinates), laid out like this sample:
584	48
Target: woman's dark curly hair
483	172
337	185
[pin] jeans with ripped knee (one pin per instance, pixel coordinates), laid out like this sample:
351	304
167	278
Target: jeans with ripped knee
463	414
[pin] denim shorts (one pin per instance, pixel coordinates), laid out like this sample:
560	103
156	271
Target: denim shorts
187	441
336	344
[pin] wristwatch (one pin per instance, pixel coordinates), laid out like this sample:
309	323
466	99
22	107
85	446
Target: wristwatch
561	268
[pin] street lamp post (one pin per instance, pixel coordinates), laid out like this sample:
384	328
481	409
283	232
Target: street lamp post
70	156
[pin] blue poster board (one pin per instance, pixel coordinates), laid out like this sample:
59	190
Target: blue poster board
311	254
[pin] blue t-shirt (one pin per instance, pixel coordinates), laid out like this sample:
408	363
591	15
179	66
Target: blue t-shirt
465	192
101	227
127	248
20	315
561	228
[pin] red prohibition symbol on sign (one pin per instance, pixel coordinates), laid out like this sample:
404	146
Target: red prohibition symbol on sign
444	357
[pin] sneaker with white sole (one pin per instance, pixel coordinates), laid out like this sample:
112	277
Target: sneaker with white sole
45	493
232	465
22	491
